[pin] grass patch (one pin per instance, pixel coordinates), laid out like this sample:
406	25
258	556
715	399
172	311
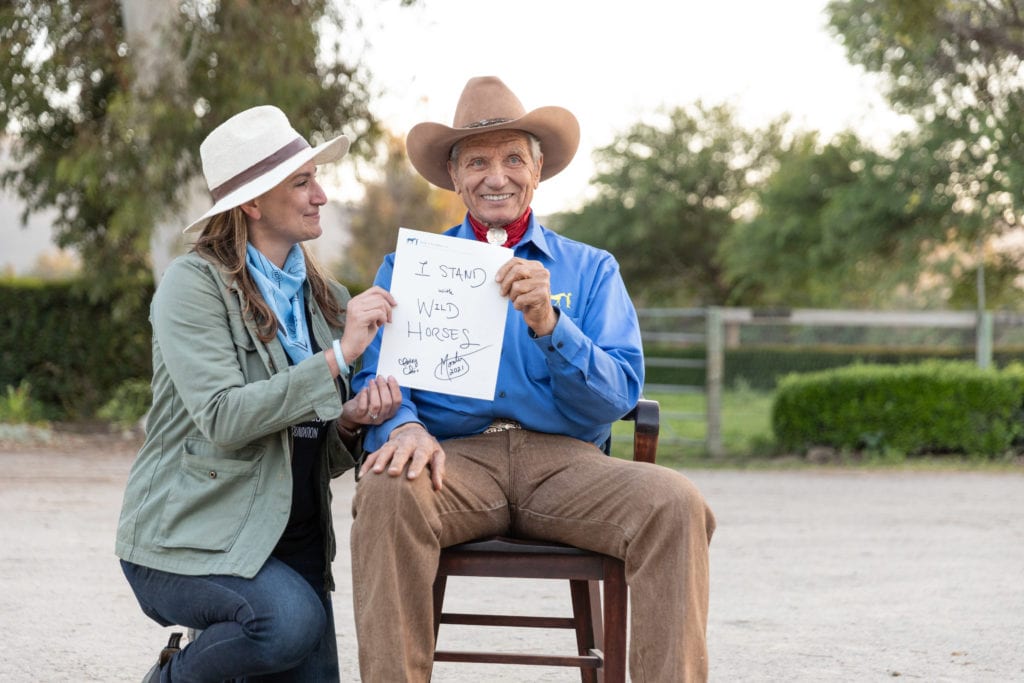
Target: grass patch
19	406
746	429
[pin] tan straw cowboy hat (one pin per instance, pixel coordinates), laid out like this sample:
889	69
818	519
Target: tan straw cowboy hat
487	104
252	152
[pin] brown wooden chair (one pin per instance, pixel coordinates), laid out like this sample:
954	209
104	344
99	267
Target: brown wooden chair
601	642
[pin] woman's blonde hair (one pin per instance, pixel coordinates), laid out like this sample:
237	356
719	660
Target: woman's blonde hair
224	240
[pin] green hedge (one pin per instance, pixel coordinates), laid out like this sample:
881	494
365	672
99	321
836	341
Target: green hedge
72	351
73	354
929	407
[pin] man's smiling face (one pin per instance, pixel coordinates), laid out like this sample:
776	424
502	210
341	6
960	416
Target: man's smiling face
495	174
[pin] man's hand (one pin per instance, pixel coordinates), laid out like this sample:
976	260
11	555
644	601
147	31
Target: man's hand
528	285
410	447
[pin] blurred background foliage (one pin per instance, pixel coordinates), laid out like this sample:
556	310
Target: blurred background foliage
106	114
699	209
104	127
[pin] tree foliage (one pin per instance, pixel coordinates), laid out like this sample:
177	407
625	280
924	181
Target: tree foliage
400	198
668	194
778	257
956	66
838	225
113	159
700	211
940	58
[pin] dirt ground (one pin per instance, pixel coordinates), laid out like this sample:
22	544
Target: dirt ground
817	575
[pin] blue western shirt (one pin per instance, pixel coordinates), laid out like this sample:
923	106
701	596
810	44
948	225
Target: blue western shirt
587	374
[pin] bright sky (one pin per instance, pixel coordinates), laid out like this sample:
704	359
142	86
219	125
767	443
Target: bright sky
610	63
613	63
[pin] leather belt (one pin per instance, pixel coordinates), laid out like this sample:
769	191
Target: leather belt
502	424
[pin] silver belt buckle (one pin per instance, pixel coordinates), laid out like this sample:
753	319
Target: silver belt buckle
502	424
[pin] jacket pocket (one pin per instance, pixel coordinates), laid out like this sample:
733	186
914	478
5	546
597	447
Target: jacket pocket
211	498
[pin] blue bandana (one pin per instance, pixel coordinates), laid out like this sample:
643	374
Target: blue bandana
282	290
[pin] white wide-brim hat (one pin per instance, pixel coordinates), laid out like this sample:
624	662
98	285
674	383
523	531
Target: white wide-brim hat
251	153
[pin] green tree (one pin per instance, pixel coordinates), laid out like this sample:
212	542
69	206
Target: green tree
114	159
784	255
399	198
957	68
838	225
668	194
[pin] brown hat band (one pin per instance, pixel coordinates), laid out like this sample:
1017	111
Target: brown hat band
258	169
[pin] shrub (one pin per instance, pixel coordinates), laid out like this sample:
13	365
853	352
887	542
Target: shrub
930	407
17	406
72	350
130	402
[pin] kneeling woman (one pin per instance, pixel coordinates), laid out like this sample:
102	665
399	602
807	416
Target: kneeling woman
226	524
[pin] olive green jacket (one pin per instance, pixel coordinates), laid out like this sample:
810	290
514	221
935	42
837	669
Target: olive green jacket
210	491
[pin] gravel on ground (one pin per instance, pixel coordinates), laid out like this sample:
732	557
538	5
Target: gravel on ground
819	574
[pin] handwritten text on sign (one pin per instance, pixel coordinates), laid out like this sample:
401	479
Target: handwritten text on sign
445	334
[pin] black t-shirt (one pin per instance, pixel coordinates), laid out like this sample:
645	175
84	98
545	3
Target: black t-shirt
305	530
304	525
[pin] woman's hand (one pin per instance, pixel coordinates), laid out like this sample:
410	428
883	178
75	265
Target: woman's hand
365	313
377	401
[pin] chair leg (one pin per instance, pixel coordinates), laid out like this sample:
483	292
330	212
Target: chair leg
596	619
598	623
586	606
615	611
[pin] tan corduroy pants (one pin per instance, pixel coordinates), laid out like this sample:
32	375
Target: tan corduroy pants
546	487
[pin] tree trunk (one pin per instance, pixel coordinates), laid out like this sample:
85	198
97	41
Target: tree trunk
149	32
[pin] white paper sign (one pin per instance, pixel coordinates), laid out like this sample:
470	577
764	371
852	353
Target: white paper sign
446	332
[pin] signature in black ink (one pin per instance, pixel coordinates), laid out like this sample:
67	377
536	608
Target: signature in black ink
410	366
453	367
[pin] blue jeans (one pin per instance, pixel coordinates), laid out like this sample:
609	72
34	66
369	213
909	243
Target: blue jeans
277	626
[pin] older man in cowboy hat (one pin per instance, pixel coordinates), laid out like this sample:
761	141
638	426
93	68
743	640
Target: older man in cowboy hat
447	469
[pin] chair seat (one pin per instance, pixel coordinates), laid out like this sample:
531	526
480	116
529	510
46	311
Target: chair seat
505	557
506	544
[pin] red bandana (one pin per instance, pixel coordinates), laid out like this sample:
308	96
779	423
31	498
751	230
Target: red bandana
516	229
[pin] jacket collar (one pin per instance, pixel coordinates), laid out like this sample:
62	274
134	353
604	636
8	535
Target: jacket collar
272	353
